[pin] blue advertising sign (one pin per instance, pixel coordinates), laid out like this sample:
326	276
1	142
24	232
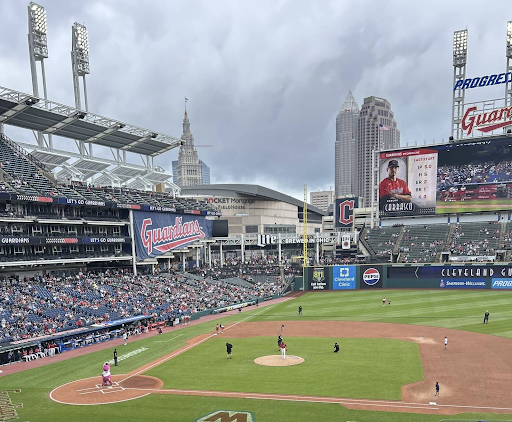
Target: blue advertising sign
344	277
479	81
501	283
157	233
463	283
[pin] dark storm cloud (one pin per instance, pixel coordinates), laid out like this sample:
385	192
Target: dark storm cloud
265	79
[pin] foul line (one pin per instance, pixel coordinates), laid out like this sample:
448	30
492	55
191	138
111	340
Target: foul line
179	352
165	341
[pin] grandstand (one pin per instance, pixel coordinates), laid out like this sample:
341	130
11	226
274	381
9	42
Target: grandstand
47	222
424	243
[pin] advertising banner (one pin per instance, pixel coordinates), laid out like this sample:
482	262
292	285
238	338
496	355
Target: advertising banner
157	233
344	211
458	177
370	276
477	283
501	283
319	278
29	240
449	272
344	277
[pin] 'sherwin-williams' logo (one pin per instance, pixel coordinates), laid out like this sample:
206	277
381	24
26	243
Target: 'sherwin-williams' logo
164	239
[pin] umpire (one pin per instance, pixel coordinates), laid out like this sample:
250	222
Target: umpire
229	346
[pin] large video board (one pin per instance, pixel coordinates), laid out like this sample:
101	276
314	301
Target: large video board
451	178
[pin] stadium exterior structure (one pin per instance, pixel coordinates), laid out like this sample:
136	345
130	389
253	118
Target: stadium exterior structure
260	220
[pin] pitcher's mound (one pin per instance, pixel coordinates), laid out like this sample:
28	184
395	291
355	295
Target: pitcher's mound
277	360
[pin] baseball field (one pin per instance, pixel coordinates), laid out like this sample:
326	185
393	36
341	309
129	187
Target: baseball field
474	205
390	358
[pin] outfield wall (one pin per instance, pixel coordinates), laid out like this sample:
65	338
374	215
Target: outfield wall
447	276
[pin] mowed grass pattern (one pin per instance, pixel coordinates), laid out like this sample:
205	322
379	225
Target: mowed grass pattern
458	309
364	368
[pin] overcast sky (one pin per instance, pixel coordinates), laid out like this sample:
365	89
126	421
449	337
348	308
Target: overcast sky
264	79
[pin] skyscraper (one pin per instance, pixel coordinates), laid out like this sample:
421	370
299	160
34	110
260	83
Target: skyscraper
188	170
345	148
376	130
205	173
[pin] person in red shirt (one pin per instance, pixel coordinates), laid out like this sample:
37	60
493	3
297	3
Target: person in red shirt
283	350
392	187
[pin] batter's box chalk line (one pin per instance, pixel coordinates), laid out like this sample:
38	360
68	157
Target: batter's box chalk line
112	390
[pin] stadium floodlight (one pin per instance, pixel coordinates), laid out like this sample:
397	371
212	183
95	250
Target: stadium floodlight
81	49
460	47
37	31
509	39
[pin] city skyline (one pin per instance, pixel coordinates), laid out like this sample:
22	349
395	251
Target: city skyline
263	91
376	131
345	148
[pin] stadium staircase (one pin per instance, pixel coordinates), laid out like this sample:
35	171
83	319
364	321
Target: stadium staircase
396	249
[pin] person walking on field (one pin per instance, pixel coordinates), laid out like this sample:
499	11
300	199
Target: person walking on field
446	343
229	346
384	302
336	347
283	350
486	317
115	357
125	338
437	389
300	310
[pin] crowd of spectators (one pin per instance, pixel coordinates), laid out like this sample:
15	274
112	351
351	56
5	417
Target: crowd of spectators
45	305
487	172
472	245
248	269
330	260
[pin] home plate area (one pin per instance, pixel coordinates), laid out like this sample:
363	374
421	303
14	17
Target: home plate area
89	392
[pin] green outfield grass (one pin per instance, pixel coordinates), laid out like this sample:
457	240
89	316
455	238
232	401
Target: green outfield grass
355	372
473	205
201	368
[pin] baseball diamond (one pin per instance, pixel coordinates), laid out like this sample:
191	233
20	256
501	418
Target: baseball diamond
402	362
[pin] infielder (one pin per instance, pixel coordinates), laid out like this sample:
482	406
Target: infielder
283	350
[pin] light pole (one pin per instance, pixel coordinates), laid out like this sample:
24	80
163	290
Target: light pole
460	50
80	66
38	51
508	85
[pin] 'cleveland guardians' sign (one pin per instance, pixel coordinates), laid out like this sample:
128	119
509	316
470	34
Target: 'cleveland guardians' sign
157	233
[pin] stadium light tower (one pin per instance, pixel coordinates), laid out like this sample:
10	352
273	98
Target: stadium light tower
508	85
460	50
38	51
80	65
